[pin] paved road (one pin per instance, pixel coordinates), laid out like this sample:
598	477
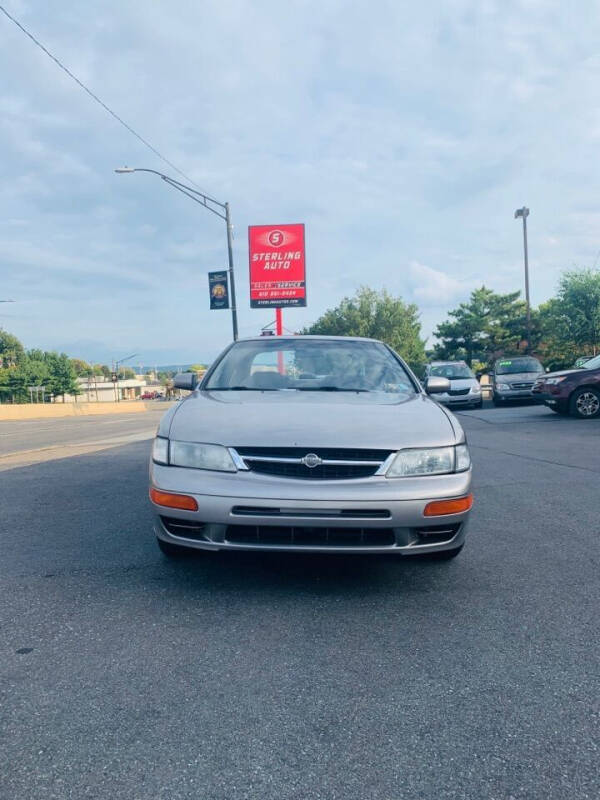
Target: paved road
25	435
252	676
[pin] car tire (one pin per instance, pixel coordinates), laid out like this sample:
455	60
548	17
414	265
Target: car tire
479	404
497	401
585	403
172	550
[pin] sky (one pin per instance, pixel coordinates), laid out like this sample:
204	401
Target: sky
403	135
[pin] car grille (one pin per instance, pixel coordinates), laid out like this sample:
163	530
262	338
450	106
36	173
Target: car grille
457	392
300	536
522	385
334	463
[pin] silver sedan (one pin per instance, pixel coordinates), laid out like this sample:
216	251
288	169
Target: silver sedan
306	443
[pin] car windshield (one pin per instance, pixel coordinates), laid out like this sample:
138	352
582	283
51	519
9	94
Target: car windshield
304	364
512	366
453	372
593	363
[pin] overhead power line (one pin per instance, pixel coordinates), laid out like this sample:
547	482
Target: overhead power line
95	96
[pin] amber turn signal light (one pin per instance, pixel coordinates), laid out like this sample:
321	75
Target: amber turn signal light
173	500
439	508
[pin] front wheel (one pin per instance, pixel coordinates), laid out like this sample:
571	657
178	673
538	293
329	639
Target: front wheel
497	401
585	403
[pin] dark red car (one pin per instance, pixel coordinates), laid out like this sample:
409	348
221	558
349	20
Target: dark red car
572	391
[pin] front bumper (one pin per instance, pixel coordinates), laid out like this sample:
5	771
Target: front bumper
515	394
459	400
552	396
376	506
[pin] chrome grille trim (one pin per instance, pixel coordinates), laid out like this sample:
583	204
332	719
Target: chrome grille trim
331	461
324	461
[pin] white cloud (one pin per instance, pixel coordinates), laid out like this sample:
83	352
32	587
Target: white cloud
397	133
434	287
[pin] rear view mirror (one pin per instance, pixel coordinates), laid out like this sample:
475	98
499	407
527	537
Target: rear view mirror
185	380
437	385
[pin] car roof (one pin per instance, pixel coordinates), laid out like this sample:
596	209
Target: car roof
295	337
444	363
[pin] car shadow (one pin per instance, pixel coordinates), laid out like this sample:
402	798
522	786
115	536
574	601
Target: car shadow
316	574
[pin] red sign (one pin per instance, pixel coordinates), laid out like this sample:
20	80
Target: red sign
277	265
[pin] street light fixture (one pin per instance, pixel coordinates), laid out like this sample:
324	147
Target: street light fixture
524	213
220	209
117	364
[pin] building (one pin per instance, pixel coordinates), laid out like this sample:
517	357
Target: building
97	390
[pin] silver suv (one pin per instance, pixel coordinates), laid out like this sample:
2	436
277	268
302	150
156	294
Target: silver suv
464	386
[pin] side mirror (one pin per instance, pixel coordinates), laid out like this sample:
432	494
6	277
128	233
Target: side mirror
185	380
437	385
547	369
479	375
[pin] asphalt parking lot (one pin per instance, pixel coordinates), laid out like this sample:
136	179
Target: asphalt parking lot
262	676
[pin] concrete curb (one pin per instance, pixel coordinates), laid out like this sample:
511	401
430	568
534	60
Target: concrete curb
50	410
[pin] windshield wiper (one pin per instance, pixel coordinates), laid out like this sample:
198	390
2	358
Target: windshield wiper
239	389
326	389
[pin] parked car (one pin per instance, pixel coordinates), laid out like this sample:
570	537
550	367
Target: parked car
149	395
572	391
337	449
581	361
513	378
464	386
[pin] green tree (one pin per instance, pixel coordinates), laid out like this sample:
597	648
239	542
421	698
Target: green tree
485	327
62	378
126	374
377	315
82	368
101	369
579	309
11	350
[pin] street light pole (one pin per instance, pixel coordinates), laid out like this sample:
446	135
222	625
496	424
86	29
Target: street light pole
220	209
231	275
524	213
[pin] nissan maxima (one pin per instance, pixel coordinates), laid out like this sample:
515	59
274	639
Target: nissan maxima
310	443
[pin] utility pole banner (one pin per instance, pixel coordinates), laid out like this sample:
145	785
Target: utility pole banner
277	265
218	288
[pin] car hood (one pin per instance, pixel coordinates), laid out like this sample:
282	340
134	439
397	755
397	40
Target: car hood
313	419
561	372
462	383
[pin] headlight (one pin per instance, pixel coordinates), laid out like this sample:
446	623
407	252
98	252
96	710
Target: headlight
190	454
503	387
432	461
553	381
476	389
160	450
201	456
